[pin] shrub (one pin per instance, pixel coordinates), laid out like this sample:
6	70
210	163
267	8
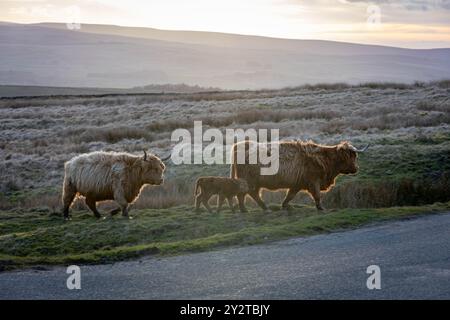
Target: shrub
385	85
112	134
389	193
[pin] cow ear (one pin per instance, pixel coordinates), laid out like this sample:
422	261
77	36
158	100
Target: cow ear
343	145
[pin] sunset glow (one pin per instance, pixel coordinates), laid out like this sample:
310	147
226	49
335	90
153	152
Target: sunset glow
416	24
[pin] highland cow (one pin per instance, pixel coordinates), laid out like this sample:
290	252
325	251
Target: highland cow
224	187
302	166
100	176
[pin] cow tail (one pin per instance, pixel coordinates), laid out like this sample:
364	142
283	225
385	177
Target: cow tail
233	173
197	186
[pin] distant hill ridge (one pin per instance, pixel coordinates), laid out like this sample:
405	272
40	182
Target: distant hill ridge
106	56
27	91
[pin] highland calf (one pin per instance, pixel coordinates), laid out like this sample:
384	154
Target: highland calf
225	187
100	176
302	166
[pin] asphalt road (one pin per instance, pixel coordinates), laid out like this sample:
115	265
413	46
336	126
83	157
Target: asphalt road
413	256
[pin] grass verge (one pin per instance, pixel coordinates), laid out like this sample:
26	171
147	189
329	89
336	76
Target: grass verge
35	238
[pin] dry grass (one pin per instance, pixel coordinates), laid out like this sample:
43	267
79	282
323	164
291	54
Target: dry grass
38	135
244	117
429	106
390	121
388	85
112	134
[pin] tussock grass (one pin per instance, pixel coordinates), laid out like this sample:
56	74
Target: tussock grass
390	121
245	117
117	99
112	134
389	85
430	106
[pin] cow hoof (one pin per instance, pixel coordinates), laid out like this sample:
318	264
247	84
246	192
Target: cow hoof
320	208
287	208
67	218
127	217
114	212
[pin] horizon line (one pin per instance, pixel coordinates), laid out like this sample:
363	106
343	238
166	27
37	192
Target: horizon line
223	33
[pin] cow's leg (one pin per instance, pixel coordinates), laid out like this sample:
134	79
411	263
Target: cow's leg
241	201
230	204
315	193
198	201
124	206
125	209
205	201
220	201
69	193
90	202
255	195
289	196
119	197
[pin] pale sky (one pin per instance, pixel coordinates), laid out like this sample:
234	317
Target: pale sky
409	23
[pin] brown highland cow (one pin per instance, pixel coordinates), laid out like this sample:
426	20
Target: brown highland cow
302	166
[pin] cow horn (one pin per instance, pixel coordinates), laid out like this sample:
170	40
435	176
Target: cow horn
166	158
363	149
145	155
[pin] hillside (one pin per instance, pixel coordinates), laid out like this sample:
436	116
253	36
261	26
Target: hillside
120	57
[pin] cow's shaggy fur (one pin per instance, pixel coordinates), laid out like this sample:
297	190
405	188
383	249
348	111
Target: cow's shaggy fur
115	176
302	166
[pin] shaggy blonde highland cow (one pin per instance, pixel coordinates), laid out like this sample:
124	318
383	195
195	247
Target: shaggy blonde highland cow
100	176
